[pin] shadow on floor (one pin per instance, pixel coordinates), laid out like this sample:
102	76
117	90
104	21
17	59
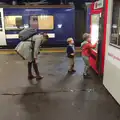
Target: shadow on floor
32	100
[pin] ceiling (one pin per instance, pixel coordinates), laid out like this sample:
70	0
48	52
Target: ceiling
48	1
79	4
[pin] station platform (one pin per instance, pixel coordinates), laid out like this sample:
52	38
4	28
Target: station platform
48	50
59	96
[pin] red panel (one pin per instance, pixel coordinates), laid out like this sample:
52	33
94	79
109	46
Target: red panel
93	64
105	30
92	61
95	11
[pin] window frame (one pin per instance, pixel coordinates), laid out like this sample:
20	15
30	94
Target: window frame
53	27
118	25
1	29
12	29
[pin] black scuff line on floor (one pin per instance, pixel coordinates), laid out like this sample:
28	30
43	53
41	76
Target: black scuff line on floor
48	92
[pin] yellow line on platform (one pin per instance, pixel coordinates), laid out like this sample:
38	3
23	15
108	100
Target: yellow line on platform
42	51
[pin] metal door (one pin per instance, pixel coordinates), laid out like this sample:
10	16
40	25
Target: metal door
2	29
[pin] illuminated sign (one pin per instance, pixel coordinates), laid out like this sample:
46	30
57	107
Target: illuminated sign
98	4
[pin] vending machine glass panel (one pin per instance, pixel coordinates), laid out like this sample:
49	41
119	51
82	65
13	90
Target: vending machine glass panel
95	28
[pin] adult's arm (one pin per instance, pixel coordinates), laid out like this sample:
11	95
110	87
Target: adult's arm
37	40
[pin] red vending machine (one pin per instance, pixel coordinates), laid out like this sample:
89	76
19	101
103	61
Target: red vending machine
98	20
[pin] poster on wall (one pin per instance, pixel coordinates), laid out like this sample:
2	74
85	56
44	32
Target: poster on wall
114	56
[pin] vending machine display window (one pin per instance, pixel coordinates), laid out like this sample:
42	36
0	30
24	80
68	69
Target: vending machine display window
95	28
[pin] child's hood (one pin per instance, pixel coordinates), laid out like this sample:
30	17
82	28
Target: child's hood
83	43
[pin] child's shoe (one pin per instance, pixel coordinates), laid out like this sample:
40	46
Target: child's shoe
73	70
86	75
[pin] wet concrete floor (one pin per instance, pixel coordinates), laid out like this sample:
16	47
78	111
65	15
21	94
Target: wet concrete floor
58	96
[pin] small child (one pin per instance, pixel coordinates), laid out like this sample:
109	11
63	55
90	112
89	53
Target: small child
86	47
71	54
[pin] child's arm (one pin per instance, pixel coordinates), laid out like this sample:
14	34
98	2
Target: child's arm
92	46
72	52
